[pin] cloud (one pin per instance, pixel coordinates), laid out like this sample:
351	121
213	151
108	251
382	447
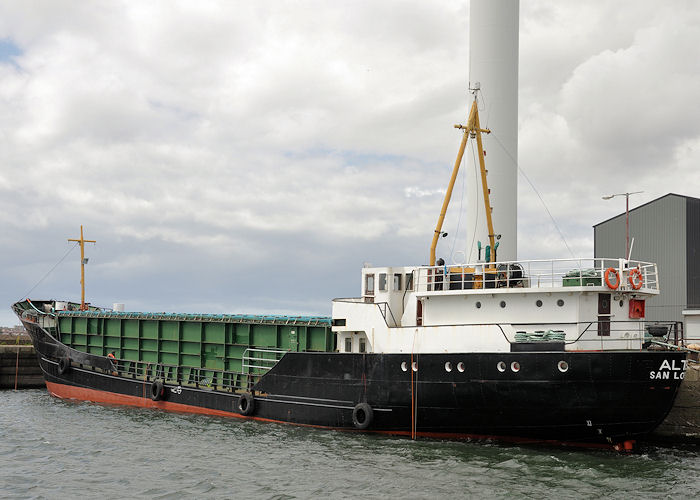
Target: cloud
234	156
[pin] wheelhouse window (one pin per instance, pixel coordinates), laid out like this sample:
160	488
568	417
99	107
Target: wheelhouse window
363	345
397	282
348	345
369	284
409	281
382	282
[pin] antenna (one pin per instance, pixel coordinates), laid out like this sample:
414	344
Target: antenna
83	261
629	255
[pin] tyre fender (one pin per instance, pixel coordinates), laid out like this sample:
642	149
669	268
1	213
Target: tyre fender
157	390
63	365
362	416
246	404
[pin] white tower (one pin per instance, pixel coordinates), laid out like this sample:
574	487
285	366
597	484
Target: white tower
493	67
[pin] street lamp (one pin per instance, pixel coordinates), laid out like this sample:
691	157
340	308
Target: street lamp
627	217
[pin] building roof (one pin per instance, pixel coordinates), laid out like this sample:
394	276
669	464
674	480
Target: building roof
645	204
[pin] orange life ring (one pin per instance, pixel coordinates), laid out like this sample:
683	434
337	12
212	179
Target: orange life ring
608	272
631	278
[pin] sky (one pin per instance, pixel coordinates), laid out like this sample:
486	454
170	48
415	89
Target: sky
250	157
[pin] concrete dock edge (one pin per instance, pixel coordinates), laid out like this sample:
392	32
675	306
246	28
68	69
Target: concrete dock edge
18	363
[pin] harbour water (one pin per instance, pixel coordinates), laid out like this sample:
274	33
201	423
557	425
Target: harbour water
51	448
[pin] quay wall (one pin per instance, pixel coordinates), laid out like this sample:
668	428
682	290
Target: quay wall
683	421
18	363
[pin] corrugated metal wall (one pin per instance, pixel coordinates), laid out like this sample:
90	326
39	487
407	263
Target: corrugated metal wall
693	249
659	232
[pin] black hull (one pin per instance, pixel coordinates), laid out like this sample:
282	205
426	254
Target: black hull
603	398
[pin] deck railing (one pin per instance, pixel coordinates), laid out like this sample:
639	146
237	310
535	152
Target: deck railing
181	375
550	273
257	361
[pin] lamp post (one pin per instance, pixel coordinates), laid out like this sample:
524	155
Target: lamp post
627	217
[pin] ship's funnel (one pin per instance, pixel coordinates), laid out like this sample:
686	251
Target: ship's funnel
493	67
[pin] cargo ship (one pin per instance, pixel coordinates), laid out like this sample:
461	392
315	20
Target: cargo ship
542	351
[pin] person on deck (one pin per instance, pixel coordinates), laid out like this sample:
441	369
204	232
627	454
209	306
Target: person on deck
113	360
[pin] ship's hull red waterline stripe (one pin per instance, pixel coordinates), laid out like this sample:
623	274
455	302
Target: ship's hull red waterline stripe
84	394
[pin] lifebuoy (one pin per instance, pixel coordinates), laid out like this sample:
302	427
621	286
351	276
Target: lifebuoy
636	284
608	272
157	390
362	416
63	365
246	404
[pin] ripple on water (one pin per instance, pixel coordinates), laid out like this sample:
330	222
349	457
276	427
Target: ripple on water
51	448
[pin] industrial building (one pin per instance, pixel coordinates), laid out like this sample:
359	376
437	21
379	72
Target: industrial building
666	231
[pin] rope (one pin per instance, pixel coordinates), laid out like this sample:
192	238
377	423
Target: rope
414	391
50	271
415	407
413	423
522	172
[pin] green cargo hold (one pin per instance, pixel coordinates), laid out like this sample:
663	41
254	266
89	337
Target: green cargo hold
224	350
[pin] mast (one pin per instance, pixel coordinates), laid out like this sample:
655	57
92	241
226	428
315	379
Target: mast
83	261
484	182
474	130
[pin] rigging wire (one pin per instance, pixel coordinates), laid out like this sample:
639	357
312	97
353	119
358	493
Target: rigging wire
461	201
476	204
485	107
50	271
522	172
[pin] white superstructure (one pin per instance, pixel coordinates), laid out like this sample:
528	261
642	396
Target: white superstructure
469	309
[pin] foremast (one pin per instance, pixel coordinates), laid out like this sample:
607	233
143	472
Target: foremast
83	261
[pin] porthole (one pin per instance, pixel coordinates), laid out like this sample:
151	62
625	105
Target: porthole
560	302
501	366
503	303
538	303
478	305
414	366
515	366
622	303
460	366
404	366
563	366
448	367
